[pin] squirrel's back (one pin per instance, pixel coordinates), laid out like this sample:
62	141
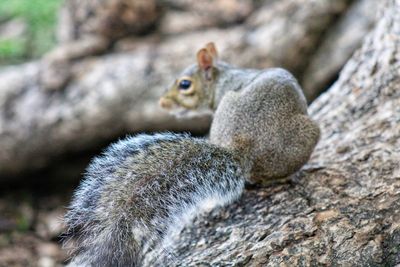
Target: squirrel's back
140	189
278	91
271	113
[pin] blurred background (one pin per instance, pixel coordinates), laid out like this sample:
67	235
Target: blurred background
76	75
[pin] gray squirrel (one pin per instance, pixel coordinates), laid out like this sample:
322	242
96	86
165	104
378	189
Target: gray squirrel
141	188
266	106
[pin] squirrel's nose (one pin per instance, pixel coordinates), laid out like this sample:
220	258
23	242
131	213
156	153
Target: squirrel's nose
165	103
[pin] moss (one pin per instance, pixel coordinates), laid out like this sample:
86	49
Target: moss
40	17
12	48
391	248
23	223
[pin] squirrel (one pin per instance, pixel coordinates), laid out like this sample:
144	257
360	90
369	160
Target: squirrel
143	187
266	105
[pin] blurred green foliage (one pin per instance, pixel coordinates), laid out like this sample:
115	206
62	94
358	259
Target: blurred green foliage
40	17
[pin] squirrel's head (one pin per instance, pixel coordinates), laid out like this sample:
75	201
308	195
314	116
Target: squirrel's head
192	93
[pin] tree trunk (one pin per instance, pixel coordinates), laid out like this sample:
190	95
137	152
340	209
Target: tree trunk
338	45
343	208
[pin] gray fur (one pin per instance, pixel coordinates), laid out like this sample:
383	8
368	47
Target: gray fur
140	188
271	114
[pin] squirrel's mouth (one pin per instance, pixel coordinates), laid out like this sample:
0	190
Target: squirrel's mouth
166	103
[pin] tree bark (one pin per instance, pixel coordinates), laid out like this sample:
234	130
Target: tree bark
343	208
338	45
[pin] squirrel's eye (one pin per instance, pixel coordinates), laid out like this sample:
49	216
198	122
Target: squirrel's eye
185	84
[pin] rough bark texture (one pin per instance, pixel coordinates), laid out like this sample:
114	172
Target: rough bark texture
338	44
343	209
107	96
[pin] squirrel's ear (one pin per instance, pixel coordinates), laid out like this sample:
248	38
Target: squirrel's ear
212	50
204	59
